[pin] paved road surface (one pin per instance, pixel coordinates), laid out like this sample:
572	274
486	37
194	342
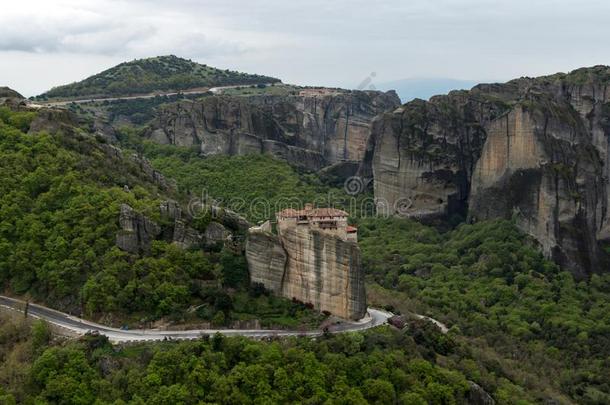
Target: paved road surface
215	90
79	326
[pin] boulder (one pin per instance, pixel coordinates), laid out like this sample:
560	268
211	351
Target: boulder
215	234
478	396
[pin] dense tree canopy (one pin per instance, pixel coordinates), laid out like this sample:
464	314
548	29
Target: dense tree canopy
162	73
60	197
490	280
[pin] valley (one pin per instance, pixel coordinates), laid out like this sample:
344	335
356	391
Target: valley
157	214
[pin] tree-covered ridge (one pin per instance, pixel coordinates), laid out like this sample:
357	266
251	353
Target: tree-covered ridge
162	73
489	280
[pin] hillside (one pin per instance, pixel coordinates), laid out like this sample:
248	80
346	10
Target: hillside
90	230
509	309
162	73
6	92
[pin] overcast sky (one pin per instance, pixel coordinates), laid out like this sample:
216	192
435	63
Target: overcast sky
44	43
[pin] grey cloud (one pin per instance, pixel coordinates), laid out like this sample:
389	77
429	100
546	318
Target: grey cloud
319	41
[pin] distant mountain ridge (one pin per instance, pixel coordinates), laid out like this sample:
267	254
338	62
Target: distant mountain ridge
409	89
161	73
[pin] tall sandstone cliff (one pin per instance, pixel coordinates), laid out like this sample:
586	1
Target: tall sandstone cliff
536	150
311	266
310	130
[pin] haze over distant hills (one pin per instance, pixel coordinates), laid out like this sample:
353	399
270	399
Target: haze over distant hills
409	89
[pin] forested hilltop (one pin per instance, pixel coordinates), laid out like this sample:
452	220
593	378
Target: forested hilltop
161	73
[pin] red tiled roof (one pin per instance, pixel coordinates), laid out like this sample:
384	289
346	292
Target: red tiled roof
312	213
351	229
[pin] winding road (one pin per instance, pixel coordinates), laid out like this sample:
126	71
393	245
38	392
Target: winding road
214	90
374	317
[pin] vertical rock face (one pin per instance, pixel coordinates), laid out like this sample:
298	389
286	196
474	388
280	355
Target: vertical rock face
137	231
422	154
539	166
311	266
324	270
309	130
266	260
532	149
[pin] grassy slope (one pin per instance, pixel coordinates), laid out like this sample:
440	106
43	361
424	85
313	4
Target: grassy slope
162	73
255	185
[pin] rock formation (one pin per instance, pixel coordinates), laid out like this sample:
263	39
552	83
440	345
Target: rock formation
532	149
266	259
310	264
137	231
310	130
8	94
478	396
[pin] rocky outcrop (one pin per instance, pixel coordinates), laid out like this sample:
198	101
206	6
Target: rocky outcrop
155	176
539	166
532	149
9	96
266	260
215	234
309	130
137	231
54	120
422	154
310	266
7	92
478	396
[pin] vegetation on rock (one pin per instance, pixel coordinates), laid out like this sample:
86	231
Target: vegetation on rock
60	199
162	73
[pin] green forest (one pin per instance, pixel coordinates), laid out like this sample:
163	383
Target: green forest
162	73
381	366
59	203
519	327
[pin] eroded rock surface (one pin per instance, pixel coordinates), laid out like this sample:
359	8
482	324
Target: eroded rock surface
309	130
137	231
535	150
266	260
311	266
